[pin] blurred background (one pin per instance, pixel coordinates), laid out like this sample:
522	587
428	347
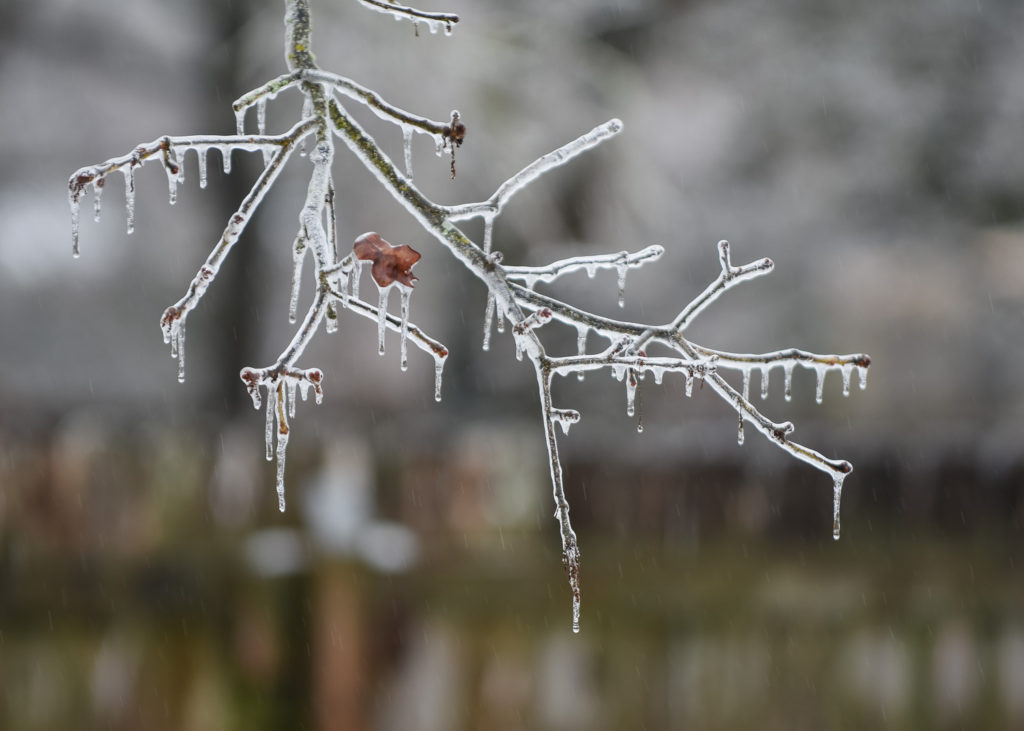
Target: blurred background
872	149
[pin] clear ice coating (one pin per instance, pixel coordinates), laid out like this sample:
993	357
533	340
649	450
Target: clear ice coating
269	426
819	387
282	453
837	494
75	212
382	317
406	294
622	269
746	397
201	159
261	116
488	233
488	320
862	376
97	201
625	358
298	256
174	335
438	372
129	196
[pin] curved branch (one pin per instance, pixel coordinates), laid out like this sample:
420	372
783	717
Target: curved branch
493	205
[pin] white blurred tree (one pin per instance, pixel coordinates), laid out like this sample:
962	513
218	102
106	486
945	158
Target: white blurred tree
629	350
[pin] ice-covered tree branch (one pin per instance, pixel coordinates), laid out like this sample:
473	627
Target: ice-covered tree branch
623	349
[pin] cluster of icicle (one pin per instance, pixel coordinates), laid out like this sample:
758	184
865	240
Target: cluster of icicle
281	390
625	349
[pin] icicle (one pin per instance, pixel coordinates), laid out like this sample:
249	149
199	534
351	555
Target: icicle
354	279
788	380
73	202
847	371
488	319
519	348
689	385
173	172
129	196
407	150
630	393
565	418
282	450
488	233
298	254
225	153
201	158
862	376
746	397
764	382
240	120
261	116
571	562
581	345
268	154
269	428
438	370
290	386
317	377
97	201
837	493
500	326
622	268
179	341
819	386
382	314
406	293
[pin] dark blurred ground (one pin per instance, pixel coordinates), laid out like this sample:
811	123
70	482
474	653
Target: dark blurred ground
873	150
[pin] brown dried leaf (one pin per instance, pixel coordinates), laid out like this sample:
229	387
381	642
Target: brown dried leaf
390	263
